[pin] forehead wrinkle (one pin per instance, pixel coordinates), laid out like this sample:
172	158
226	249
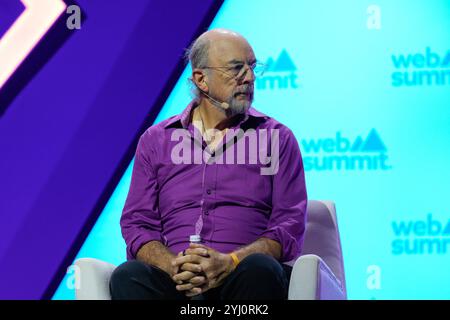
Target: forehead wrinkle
227	49
235	61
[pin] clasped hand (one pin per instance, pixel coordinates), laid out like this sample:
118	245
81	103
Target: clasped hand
200	269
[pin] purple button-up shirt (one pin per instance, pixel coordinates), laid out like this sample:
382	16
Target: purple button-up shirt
174	193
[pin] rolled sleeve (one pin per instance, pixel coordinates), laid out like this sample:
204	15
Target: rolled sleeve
140	221
289	199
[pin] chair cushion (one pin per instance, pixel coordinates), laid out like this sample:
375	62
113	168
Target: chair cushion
322	237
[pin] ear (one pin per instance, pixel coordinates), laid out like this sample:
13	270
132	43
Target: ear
199	79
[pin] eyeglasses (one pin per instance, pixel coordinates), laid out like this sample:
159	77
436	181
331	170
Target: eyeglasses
239	70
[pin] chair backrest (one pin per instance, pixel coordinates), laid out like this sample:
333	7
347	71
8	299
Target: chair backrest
322	236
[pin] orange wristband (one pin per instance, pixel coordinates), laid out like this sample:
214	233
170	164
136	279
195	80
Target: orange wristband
235	259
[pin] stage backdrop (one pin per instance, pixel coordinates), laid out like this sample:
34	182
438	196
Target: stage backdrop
365	87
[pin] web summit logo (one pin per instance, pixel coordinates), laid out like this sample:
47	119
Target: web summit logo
421	237
340	153
280	74
421	69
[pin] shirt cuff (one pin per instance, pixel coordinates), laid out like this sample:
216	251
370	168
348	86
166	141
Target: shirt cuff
140	240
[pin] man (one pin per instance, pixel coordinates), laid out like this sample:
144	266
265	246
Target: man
250	216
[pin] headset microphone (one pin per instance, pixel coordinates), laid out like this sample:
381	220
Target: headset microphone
223	104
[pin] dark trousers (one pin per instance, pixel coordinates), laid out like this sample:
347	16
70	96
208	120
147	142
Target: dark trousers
257	277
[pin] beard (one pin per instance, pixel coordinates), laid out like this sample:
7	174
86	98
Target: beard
240	100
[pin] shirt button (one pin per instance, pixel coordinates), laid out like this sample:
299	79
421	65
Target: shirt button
208	191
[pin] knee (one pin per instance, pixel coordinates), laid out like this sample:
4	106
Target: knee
263	266
258	277
122	276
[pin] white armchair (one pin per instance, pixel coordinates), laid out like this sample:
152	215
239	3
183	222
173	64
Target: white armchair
318	274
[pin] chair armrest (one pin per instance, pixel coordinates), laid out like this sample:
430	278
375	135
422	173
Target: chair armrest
312	279
93	279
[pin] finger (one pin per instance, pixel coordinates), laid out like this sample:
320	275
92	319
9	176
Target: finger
212	274
212	283
175	268
198	251
193	292
196	268
192	258
198	281
183	276
205	287
184	286
198	289
198	245
220	279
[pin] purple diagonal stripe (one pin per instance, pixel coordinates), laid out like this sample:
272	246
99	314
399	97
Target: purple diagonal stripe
9	11
74	125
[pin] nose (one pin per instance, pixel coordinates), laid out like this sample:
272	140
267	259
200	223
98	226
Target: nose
248	76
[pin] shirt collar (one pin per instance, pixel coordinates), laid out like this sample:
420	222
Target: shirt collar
184	117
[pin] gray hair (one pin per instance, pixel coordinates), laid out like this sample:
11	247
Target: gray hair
197	55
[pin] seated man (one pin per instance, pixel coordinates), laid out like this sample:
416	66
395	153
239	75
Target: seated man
206	175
